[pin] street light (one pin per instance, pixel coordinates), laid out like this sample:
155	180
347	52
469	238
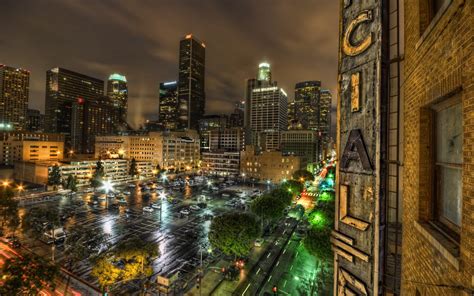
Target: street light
20	188
6	183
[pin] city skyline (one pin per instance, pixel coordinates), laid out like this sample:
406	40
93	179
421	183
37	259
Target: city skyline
147	53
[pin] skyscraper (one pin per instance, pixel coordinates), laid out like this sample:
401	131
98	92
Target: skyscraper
35	120
14	88
191	92
117	91
307	96
64	88
168	109
91	118
324	113
263	79
268	116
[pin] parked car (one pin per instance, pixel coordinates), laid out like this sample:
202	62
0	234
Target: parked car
184	212
258	242
194	207
148	209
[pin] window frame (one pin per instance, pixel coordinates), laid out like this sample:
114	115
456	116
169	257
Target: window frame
448	228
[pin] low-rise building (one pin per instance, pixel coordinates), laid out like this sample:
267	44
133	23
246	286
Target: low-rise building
229	139
115	170
27	146
169	150
266	166
222	163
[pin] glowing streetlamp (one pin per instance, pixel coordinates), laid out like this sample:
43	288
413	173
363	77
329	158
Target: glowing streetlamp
107	186
164	177
5	183
209	183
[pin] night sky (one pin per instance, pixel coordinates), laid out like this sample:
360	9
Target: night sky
140	39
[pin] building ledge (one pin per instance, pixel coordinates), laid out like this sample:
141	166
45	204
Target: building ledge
448	249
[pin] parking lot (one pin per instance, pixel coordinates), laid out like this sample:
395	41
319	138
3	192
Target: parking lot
178	222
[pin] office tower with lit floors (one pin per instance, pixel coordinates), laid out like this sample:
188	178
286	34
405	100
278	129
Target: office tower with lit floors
117	92
191	87
168	105
14	90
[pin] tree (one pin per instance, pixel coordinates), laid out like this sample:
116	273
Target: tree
27	275
98	175
130	260
303	175
268	207
54	176
234	233
292	186
133	171
282	195
71	183
8	206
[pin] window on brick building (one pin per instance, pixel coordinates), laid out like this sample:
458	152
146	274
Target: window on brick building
448	142
429	10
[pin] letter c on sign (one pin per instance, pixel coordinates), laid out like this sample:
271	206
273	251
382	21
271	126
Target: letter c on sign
355	49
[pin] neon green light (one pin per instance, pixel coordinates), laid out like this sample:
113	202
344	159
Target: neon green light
117	76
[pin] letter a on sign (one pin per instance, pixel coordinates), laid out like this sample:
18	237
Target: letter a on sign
355	150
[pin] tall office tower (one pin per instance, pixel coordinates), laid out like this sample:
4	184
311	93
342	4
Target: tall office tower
191	92
293	122
168	108
14	88
35	120
324	113
307	96
263	79
268	116
236	118
63	89
91	118
117	91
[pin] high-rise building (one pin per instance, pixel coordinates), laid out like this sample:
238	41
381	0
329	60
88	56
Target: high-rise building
236	118
307	97
264	72
209	123
324	114
268	116
191	90
35	121
302	143
14	91
91	118
64	89
168	108
117	92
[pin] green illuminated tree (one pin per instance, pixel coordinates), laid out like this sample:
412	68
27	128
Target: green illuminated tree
282	195
268	207
234	233
98	175
133	171
27	275
292	186
71	183
54	176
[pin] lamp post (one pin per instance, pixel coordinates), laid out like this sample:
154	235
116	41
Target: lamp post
20	188
107	187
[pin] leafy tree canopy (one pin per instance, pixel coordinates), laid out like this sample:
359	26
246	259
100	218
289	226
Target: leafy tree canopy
54	176
268	207
303	175
133	171
234	233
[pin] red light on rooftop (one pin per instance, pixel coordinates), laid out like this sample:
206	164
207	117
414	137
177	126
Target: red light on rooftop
80	101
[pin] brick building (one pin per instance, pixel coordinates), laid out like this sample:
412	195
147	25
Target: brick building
438	199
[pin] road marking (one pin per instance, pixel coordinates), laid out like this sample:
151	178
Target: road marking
284	231
258	271
278	263
269	254
248	286
269	279
284	251
284	284
291	267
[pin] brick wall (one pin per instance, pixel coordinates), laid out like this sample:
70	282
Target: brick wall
437	63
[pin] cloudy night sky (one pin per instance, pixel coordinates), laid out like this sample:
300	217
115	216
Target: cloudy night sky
140	39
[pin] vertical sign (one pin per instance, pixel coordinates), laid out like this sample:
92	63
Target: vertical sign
356	238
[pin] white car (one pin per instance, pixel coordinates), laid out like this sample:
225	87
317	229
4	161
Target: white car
259	242
184	212
195	208
156	206
148	209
